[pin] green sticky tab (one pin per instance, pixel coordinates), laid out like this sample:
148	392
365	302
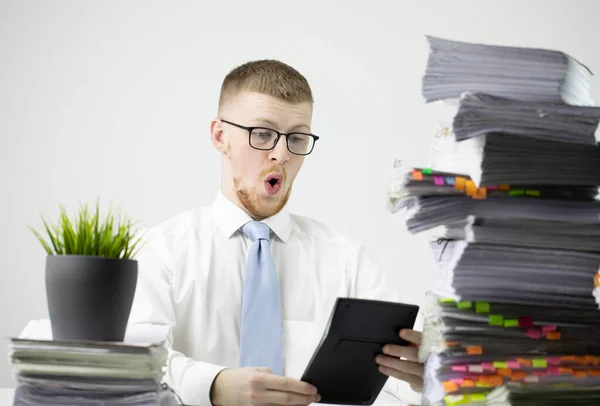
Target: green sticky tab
532	192
464	305
511	323
426	171
540	363
447	301
482	385
455	400
500	364
496	320
478	397
482	307
517	192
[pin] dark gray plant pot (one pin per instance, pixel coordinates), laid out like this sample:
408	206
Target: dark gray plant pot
89	298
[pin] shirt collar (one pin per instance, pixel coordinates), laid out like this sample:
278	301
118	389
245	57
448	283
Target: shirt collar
230	218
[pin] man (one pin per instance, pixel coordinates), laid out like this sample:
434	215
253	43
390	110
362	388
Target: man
245	286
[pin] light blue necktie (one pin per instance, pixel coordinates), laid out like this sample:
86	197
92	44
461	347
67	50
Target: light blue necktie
260	338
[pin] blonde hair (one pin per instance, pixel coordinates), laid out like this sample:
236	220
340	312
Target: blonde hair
270	77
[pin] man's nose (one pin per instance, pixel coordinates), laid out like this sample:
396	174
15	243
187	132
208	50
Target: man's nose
280	153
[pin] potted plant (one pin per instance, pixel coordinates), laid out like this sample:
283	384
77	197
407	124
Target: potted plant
91	276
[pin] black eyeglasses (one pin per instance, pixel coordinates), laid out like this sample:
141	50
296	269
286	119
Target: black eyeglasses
265	139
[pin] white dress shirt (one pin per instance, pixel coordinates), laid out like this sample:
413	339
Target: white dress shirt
191	278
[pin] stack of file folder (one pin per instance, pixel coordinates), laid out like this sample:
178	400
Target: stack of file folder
62	372
513	207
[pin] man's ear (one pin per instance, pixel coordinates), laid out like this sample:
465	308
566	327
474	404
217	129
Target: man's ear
217	136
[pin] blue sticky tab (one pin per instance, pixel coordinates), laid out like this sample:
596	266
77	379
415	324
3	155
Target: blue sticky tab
450	180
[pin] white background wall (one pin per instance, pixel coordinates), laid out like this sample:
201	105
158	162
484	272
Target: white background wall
113	99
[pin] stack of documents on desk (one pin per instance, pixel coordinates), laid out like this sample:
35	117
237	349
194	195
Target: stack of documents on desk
513	202
517	73
55	372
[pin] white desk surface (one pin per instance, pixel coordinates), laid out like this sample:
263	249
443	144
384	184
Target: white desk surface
6	396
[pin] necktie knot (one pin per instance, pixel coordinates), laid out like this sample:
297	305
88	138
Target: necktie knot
256	230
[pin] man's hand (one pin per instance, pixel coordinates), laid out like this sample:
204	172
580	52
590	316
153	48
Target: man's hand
259	386
407	369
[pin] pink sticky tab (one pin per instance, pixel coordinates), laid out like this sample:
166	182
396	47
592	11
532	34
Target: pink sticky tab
458	381
553	360
553	371
534	333
438	180
532	379
525	321
547	329
459	368
513	364
488	366
540	373
492	187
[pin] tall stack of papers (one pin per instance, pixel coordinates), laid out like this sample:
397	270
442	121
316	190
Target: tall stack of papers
512	202
56	372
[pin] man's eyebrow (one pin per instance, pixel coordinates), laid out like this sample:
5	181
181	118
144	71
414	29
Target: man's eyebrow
273	125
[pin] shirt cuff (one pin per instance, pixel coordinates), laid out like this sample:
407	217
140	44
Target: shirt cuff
197	382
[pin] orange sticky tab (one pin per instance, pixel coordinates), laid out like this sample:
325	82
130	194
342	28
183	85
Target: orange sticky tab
496	380
517	376
567	358
504	372
459	182
579	374
524	361
468	383
417	174
471	188
580	360
553	335
564	370
481	193
597	280
474	350
504	187
594	372
450	386
450	343
591	360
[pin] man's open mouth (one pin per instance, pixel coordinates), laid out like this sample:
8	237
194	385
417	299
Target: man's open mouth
273	183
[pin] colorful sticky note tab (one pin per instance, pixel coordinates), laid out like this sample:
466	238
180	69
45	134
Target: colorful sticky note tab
496	320
450	386
482	307
511	323
524	361
534	333
516	192
553	335
456	400
540	363
470	187
460	182
492	187
517	376
532	193
468	383
579	374
546	329
553	360
474	350
504	187
480	193
553	371
513	364
427	171
532	379
500	364
464	305
476	369
447	300
592	360
525	321
417	175
478	397
459	368
488	366
504	372
450	180
438	180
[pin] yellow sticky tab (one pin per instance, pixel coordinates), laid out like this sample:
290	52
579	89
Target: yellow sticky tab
459	183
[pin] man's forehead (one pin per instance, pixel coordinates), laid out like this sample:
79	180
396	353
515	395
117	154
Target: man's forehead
269	109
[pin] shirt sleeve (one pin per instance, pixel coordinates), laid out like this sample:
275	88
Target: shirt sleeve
368	280
190	379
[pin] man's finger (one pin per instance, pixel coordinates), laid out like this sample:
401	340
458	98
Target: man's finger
411	336
401	351
416	382
407	367
288	398
285	384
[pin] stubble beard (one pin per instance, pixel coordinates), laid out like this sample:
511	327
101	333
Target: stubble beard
251	202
